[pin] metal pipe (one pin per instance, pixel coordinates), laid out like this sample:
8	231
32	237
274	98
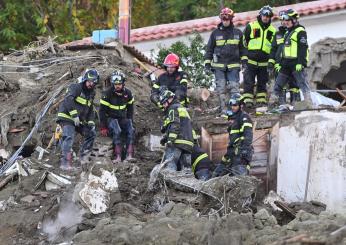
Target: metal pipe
124	21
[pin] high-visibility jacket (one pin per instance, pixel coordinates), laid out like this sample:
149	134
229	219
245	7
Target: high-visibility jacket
115	105
295	49
257	39
199	159
277	45
176	83
78	102
240	137
226	44
178	128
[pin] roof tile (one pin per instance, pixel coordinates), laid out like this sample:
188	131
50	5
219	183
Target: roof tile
240	19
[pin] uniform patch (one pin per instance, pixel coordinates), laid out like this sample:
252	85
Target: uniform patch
236	37
303	40
219	37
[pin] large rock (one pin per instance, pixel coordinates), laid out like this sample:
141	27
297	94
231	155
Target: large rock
101	190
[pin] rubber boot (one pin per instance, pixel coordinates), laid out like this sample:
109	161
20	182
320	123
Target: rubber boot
129	154
66	162
117	154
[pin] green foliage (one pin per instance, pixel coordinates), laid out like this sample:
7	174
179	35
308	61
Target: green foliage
191	59
17	24
22	21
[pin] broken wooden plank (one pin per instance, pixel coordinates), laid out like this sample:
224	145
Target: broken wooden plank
285	208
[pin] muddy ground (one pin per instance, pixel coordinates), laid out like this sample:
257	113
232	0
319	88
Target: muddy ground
31	214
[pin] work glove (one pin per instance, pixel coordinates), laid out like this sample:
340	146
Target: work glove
299	67
104	131
163	129
76	121
207	68
163	141
277	67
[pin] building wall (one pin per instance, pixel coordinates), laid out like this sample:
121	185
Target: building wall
312	159
318	27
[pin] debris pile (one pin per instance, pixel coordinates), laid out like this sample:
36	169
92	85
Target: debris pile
112	204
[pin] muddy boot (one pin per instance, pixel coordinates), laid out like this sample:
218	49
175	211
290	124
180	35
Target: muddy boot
129	154
66	162
306	104
117	154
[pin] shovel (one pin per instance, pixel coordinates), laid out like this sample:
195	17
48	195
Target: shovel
156	170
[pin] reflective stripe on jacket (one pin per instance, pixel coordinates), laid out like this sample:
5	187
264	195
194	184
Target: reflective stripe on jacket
78	102
178	127
115	105
225	43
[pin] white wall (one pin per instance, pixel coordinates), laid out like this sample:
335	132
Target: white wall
318	26
325	134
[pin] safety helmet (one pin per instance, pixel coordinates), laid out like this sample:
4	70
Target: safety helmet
291	14
235	99
117	77
165	96
266	11
172	60
91	75
226	13
282	13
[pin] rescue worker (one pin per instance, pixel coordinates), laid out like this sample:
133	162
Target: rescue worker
239	150
294	58
76	113
200	163
178	132
258	36
225	52
116	116
173	80
275	59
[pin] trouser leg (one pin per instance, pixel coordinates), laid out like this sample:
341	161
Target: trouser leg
300	77
114	131
220	79
249	84
68	136
185	160
172	154
262	80
89	135
280	83
233	80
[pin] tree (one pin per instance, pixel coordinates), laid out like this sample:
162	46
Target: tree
191	59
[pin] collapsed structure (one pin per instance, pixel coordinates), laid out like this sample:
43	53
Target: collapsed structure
111	204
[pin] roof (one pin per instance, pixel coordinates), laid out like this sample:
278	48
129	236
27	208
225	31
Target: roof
207	24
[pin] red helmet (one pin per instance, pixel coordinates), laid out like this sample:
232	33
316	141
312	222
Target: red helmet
226	13
172	60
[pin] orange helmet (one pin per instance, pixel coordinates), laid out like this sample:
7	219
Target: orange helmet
226	13
172	60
